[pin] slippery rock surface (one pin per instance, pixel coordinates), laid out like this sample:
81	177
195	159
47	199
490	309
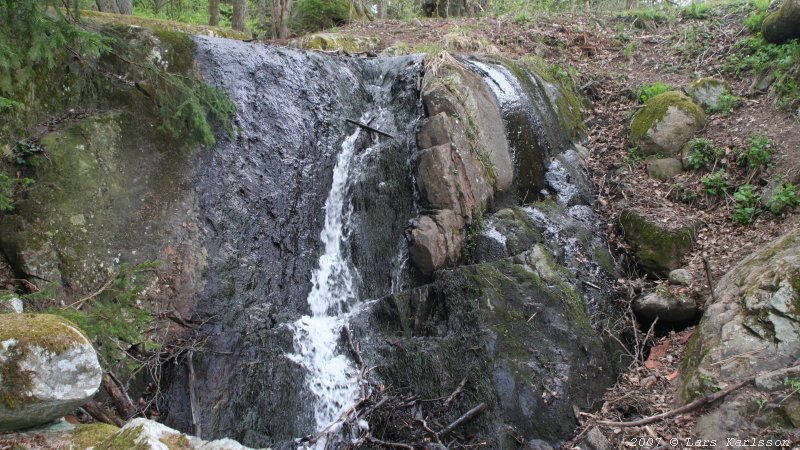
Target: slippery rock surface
665	124
521	324
47	369
752	328
783	24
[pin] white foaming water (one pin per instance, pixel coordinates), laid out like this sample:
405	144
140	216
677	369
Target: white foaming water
332	377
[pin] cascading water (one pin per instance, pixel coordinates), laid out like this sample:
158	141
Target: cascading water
302	215
331	375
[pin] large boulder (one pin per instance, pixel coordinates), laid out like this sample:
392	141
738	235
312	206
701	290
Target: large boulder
783	24
658	239
142	434
47	369
459	93
751	327
665	306
436	240
665	123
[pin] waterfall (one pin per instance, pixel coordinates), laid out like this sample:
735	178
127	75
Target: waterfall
332	378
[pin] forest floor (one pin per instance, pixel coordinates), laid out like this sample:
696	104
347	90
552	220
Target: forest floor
609	59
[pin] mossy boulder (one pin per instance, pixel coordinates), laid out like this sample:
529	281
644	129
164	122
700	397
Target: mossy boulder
750	327
142	434
102	196
665	124
659	239
707	91
784	24
47	369
332	42
664	168
519	330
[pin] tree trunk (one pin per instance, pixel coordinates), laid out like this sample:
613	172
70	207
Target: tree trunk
107	6
281	17
262	15
239	14
158	5
213	13
125	6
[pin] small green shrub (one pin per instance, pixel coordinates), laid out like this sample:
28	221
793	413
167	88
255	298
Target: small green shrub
634	155
644	18
755	54
745	207
112	319
696	10
315	15
715	184
785	196
726	104
754	22
645	93
23	150
701	153
758	154
629	49
683	194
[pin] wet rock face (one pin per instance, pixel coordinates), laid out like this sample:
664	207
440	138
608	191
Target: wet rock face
261	205
756	312
784	24
48	369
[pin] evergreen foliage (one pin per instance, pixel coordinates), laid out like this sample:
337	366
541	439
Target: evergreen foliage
313	15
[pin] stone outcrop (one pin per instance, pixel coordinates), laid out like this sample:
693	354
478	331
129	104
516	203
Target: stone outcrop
751	329
47	369
666	307
664	168
783	24
335	42
659	241
707	92
665	124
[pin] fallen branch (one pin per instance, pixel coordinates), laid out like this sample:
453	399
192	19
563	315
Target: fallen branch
449	402
122	402
469	415
194	406
96	411
711	398
369	128
79	303
388	444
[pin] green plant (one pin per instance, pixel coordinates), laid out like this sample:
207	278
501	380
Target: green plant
634	155
629	49
779	60
112	319
646	92
745	208
701	153
785	196
758	154
715	184
726	104
754	21
793	383
23	150
683	194
644	18
697	10
315	15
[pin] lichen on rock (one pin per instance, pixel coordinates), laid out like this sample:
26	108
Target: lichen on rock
47	368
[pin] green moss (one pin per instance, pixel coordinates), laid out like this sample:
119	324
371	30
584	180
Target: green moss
690	377
91	435
179	50
707	82
338	42
658	249
656	108
167	25
124	440
47	331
